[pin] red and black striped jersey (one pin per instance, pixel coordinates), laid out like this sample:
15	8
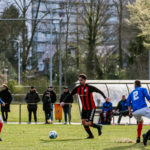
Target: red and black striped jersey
86	96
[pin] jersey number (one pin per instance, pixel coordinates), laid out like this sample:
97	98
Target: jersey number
135	95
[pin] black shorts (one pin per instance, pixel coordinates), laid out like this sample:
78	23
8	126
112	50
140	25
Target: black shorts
88	114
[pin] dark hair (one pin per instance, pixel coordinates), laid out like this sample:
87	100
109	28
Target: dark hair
138	83
83	76
50	87
32	87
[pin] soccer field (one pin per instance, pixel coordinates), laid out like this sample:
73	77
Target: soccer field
70	137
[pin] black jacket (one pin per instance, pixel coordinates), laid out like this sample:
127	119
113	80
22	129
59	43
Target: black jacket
6	96
32	98
67	95
52	96
46	103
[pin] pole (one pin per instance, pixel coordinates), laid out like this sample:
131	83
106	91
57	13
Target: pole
149	64
51	48
19	63
60	59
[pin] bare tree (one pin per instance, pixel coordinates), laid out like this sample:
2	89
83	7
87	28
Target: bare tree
95	15
121	13
27	38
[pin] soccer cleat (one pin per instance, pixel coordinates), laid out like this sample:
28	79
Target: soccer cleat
0	139
138	140
90	137
145	139
99	130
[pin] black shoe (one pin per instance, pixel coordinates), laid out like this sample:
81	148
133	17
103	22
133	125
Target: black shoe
144	139
0	139
138	140
90	137
99	130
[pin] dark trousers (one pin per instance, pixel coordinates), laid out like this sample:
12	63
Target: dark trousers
122	113
47	116
30	115
105	117
5	115
67	111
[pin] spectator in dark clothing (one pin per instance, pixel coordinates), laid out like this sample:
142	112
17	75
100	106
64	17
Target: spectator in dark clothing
106	113
47	106
6	96
67	107
123	108
53	100
32	98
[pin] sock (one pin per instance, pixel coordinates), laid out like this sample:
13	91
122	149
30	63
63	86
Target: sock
1	126
95	125
87	129
139	129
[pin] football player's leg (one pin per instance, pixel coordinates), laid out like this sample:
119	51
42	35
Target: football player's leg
85	115
146	136
138	115
1	126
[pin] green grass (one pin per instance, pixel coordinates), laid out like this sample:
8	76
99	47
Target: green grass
70	137
14	114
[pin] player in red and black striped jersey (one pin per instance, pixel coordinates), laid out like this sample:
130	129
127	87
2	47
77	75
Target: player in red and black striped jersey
88	105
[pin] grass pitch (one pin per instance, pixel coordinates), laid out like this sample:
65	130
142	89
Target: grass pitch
70	137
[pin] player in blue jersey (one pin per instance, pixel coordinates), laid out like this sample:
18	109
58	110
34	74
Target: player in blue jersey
136	99
1	121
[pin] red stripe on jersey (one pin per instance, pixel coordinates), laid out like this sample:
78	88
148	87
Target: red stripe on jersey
81	96
92	101
87	98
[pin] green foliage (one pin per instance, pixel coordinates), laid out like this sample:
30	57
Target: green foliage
12	85
139	16
9	31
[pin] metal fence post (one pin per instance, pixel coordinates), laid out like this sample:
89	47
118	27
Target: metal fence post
19	113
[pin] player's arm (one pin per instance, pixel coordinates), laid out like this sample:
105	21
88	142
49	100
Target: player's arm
94	89
2	102
74	91
146	94
129	105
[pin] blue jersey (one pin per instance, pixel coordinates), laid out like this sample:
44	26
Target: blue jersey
137	98
107	106
1	102
124	105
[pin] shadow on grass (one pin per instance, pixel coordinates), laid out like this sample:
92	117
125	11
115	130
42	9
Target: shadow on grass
133	146
60	140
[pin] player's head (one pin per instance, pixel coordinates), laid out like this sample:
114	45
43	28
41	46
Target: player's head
123	97
82	79
32	88
50	88
137	83
66	89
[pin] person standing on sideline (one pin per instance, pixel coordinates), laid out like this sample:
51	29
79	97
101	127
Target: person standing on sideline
32	98
67	107
85	91
1	121
47	106
6	96
53	100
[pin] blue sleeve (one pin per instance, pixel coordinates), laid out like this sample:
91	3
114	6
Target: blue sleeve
146	94
111	108
103	107
129	100
1	102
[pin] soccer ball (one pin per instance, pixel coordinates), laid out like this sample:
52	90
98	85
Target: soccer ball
53	135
